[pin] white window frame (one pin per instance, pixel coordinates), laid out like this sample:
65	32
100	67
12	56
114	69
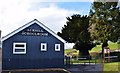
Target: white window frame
45	47
56	47
14	48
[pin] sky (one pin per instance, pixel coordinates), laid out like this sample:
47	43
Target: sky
52	13
15	13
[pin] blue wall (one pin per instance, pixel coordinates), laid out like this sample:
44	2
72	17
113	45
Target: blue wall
34	57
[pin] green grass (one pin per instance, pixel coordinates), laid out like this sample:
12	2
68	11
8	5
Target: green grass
114	66
85	61
71	50
97	48
112	46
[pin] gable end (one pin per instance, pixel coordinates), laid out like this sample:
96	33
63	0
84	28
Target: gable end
30	23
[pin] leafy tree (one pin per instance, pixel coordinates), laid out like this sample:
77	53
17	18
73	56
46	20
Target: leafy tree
76	31
104	22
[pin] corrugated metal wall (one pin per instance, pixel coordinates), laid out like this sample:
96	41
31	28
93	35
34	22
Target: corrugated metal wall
34	57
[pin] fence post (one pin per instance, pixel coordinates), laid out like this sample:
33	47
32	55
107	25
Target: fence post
67	58
95	60
89	59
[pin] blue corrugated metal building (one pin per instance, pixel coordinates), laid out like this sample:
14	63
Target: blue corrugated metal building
32	46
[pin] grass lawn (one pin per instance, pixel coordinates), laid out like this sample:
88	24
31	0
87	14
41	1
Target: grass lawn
114	66
69	50
85	61
97	48
113	46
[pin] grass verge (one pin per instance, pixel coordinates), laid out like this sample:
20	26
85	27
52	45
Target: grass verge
113	66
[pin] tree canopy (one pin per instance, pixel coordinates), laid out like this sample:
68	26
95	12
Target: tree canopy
76	31
105	21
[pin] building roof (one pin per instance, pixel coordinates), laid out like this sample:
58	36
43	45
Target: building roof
30	23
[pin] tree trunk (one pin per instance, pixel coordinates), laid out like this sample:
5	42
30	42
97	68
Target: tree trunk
105	44
84	54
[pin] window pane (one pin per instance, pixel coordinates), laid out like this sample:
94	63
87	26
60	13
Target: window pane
19	50
43	46
19	45
57	47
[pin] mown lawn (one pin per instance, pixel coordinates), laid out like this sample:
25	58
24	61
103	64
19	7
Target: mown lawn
85	61
113	46
113	66
69	50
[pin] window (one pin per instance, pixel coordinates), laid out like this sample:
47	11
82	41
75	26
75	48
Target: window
19	48
43	47
57	47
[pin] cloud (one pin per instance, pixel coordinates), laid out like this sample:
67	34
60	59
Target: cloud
63	1
119	3
69	45
16	13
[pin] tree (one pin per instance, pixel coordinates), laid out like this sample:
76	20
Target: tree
76	31
104	22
